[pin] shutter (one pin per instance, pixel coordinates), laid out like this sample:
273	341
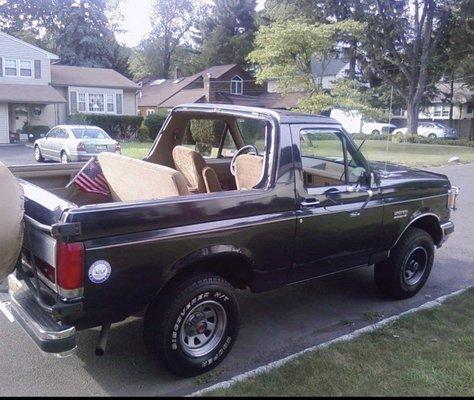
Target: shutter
37	69
73	103
1	67
119	103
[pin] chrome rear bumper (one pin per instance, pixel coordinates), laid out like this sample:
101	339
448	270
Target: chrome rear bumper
50	336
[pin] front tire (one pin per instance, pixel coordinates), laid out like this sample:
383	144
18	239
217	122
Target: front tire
432	136
193	324
405	273
375	133
38	156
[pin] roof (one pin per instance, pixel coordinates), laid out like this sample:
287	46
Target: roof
333	67
266	100
31	94
171	92
283	116
49	55
66	75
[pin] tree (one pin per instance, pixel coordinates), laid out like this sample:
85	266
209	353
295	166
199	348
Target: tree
172	21
284	50
226	35
400	45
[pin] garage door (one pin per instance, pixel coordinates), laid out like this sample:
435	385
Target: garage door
4	134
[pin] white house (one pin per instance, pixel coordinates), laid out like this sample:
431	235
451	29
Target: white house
36	91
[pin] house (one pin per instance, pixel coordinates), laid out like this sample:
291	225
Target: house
438	108
324	73
34	90
225	84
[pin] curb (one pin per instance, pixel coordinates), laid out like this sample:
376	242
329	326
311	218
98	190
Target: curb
345	338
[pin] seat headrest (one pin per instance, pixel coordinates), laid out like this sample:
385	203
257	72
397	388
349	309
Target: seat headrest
135	180
248	171
191	164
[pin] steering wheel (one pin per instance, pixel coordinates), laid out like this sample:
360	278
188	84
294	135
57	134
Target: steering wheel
250	149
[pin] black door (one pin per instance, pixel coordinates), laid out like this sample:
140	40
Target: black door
339	213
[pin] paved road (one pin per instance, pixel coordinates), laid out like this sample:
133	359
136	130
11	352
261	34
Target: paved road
275	325
17	154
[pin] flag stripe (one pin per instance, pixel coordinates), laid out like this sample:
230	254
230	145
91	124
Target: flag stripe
92	180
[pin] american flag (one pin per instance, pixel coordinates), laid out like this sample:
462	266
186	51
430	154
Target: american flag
91	179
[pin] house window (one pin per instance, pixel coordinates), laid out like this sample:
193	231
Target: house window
82	102
237	85
26	68
110	103
11	68
96	102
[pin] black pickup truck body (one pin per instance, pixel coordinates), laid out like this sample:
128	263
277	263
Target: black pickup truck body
276	234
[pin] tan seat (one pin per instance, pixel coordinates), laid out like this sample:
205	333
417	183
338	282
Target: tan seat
248	171
136	180
200	177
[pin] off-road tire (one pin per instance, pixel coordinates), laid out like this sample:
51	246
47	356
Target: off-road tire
390	275
166	316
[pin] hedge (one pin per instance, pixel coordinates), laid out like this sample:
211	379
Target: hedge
117	126
154	122
35	129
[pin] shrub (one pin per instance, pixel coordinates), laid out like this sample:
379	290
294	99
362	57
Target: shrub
207	131
144	134
154	122
117	126
362	136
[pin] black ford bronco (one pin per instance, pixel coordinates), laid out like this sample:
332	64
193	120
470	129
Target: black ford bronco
228	198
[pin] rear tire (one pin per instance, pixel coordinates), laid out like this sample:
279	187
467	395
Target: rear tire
432	136
193	324
405	273
376	133
38	156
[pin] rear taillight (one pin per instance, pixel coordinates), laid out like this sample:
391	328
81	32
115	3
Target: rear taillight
70	269
81	147
118	148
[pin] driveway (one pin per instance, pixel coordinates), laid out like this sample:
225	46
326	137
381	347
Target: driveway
274	325
16	154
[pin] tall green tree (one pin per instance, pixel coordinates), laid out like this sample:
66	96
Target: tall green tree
172	21
226	35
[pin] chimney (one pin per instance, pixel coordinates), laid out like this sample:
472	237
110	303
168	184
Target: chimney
210	88
177	73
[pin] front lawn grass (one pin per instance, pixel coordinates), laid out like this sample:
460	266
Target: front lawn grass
409	154
430	353
136	149
415	154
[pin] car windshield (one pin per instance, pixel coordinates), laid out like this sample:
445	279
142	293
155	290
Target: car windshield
89	133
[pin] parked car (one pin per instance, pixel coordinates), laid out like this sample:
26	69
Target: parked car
74	143
180	233
35	132
354	123
432	130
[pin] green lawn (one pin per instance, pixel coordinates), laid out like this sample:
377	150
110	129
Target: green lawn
430	353
136	149
419	155
410	154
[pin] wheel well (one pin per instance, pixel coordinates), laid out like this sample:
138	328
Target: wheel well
234	268
430	224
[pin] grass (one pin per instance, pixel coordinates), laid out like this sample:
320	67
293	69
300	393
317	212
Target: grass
410	154
136	149
427	354
414	154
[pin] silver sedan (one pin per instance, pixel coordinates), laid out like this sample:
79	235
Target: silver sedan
74	143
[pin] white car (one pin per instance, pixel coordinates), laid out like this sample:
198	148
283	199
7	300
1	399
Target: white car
371	127
354	123
431	130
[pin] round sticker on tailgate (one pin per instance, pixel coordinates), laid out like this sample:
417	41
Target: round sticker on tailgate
100	271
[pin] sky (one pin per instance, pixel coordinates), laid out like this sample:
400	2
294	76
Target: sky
137	23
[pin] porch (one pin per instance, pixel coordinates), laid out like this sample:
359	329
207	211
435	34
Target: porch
33	105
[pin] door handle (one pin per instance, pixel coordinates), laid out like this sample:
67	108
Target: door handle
310	203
